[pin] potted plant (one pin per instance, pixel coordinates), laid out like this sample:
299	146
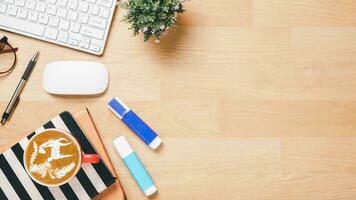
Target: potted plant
152	17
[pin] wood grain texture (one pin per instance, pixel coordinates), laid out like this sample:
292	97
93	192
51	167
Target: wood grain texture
254	99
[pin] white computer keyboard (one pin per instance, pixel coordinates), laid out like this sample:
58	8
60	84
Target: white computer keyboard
78	24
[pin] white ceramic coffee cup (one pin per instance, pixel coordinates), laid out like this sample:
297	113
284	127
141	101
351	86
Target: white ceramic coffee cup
84	158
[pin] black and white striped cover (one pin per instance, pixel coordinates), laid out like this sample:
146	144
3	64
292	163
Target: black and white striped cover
91	179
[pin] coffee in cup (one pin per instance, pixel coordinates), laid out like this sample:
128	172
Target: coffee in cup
53	157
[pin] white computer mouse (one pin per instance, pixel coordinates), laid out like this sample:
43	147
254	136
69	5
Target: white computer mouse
75	78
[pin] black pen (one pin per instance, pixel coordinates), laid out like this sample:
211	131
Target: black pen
16	96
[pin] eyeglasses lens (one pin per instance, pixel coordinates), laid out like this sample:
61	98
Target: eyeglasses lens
7	57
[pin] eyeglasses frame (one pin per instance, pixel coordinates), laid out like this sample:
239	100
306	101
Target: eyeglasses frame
13	50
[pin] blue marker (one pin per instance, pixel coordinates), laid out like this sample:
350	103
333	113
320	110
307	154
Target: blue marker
134	122
135	166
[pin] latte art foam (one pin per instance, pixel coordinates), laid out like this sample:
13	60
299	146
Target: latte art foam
52	157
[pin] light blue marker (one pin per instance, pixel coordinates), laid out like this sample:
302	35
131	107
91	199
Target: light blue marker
135	166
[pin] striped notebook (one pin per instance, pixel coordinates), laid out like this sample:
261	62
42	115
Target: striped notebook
91	179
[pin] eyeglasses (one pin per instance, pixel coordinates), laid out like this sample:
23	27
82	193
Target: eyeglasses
7	56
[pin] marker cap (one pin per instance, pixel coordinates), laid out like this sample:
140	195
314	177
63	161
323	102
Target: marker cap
122	146
155	143
119	108
151	190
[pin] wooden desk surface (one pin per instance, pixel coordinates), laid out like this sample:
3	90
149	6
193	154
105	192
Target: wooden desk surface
254	99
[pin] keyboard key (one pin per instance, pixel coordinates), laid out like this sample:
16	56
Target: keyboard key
51	1
92	32
106	3
21	25
84	45
62	13
83	6
53	21
63	24
62	3
63	36
43	18
72	16
30	4
73	4
74	27
83	18
97	22
85	40
22	13
93	9
20	3
51	33
52	9
10	1
104	12
94	47
11	10
41	7
3	8
33	16
73	42
75	36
